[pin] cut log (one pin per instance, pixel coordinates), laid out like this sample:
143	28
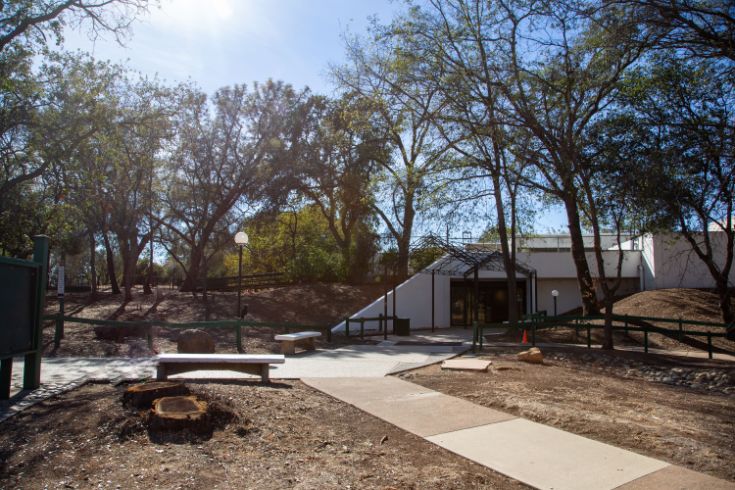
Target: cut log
175	413
195	341
142	395
532	355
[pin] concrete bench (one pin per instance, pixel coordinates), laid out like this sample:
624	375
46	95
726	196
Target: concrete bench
259	364
291	340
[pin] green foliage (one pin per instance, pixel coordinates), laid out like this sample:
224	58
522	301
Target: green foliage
424	257
20	218
32	23
297	243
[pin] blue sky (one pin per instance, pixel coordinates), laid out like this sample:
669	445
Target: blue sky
223	42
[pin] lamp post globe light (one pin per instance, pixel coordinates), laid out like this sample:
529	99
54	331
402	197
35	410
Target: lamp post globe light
555	294
241	239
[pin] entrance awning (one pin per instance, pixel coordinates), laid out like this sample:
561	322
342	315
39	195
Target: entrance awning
466	260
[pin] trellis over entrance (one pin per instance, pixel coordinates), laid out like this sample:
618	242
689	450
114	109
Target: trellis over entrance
466	261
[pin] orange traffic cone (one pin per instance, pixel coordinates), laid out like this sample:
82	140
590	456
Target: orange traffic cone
525	337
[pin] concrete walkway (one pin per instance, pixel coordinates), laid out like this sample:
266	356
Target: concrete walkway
357	361
535	454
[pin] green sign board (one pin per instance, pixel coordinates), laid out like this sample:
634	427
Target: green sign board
17	305
22	298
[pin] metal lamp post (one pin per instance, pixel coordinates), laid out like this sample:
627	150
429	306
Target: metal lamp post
555	294
241	239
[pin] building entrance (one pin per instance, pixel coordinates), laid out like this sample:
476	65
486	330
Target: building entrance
493	301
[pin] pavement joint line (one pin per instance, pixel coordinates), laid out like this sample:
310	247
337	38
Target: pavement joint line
459	352
621	468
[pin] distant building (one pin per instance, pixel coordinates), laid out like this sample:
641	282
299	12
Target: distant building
544	264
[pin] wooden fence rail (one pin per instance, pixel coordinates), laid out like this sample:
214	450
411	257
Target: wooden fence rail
236	325
540	321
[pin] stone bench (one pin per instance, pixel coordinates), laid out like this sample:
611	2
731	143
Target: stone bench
291	340
259	364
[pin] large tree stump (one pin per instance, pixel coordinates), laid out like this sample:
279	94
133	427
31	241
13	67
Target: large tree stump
176	413
195	341
142	395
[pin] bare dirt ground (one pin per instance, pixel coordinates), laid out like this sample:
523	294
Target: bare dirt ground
690	304
318	305
283	435
680	411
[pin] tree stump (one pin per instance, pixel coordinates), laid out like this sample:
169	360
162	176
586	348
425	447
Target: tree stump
142	395
195	341
176	413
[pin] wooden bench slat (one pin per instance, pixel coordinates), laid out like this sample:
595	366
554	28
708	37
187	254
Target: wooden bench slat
258	364
223	358
298	335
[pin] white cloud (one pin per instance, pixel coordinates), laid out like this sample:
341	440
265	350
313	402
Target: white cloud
214	18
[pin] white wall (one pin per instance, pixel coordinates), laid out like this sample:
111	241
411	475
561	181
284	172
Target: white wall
665	261
648	262
677	266
561	265
568	299
413	300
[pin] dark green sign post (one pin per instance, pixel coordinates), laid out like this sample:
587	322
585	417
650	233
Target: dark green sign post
22	301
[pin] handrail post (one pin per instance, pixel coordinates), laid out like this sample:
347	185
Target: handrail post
59	332
362	328
474	336
589	336
384	326
238	336
480	328
347	326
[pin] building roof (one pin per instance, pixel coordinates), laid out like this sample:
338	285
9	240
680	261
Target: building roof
464	260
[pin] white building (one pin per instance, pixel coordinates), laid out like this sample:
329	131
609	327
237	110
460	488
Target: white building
544	264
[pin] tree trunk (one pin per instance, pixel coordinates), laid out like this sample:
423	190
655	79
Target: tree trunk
110	264
345	250
584	278
128	272
508	262
191	281
130	253
728	316
403	258
404	241
149	275
92	266
607	342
